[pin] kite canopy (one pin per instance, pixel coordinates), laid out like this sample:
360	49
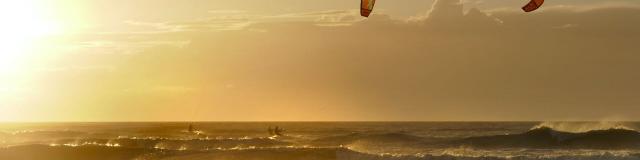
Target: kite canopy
533	5
366	7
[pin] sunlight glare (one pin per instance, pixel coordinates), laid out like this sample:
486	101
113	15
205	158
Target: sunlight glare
24	23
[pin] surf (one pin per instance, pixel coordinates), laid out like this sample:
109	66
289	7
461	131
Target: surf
549	138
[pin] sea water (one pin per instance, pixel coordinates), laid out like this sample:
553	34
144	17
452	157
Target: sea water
320	141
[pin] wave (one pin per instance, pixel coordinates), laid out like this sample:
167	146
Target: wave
286	153
545	137
578	127
43	152
47	133
173	144
387	138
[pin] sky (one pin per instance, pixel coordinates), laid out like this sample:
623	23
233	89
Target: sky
292	60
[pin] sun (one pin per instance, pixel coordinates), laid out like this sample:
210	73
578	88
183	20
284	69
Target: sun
24	22
24	25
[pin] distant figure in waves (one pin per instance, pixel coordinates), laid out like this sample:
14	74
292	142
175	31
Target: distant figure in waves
277	131
270	131
191	128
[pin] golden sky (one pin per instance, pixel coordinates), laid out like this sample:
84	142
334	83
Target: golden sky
292	60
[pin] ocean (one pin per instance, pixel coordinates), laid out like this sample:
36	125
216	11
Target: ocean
320	141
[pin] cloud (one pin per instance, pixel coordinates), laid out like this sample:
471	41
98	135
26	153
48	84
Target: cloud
161	90
227	11
218	23
225	20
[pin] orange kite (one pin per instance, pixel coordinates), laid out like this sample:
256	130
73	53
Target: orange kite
366	7
533	5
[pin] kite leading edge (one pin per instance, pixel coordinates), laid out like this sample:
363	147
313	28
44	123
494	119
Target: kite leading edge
366	6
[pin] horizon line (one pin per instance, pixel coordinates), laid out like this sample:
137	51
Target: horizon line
345	121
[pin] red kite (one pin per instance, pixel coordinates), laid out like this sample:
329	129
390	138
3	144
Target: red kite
366	7
533	5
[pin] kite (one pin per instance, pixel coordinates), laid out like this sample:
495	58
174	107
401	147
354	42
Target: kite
366	6
533	5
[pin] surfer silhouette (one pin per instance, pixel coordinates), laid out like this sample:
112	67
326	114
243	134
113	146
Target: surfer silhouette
277	131
191	128
270	131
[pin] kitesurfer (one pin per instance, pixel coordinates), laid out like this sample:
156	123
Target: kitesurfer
277	131
270	131
191	129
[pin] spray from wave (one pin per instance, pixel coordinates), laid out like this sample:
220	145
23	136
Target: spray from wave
581	127
563	135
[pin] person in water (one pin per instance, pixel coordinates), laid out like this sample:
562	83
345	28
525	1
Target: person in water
191	128
278	131
270	131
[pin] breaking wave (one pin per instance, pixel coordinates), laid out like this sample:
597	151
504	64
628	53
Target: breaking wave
544	137
578	127
536	138
174	144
